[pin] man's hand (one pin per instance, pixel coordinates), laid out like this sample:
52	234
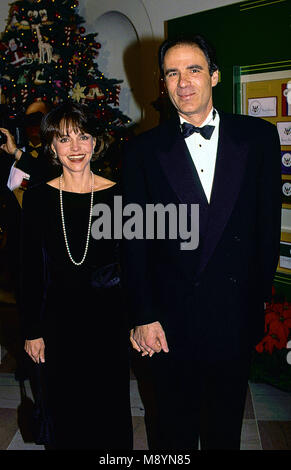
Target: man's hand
10	146
149	339
35	349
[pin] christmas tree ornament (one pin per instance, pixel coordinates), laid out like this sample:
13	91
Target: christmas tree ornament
46	54
15	53
95	91
78	92
44	48
24	94
39	77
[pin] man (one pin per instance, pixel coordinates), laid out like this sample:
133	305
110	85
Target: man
198	313
20	167
30	166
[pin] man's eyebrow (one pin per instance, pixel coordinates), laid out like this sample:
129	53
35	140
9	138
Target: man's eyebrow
189	67
170	70
196	66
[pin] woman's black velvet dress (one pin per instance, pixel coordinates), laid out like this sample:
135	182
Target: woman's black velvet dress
78	311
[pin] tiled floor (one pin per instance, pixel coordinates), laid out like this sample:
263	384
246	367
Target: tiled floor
267	418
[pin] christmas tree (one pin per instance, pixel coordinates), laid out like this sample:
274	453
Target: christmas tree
46	56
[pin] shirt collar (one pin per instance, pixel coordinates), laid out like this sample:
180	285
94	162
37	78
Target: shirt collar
210	119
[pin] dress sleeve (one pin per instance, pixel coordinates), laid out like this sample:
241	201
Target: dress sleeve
32	266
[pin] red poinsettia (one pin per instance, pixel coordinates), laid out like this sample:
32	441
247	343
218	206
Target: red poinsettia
277	326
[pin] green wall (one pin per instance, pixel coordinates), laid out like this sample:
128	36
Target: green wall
246	33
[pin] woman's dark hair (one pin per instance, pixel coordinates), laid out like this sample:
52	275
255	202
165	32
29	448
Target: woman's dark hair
73	116
195	40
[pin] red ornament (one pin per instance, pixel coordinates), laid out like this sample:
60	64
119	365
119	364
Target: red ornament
82	30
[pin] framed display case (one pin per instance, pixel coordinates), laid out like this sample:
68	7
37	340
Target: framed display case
264	90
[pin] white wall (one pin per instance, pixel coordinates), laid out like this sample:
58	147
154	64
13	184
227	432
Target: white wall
4	8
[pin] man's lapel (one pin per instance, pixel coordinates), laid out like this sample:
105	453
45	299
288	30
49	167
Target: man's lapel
229	173
178	166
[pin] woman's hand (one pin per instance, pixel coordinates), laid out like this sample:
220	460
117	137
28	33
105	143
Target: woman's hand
35	349
9	146
134	343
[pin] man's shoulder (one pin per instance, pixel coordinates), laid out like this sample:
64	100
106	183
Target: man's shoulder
245	121
35	192
151	135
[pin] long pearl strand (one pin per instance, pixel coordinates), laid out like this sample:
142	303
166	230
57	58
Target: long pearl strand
64	226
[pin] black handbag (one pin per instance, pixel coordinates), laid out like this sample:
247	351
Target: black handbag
106	276
42	424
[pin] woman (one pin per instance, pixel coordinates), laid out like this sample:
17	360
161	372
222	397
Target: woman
74	325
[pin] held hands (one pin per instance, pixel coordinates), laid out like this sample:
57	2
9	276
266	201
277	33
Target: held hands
35	349
9	146
149	339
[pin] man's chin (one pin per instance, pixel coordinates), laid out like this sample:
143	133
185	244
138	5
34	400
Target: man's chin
187	112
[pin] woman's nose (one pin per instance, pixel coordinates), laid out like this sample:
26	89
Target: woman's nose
75	144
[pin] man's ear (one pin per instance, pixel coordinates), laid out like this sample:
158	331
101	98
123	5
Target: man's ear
163	85
214	78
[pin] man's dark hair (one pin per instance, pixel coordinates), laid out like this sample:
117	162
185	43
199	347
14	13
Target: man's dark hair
195	40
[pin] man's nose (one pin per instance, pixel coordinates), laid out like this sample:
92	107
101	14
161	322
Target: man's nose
183	80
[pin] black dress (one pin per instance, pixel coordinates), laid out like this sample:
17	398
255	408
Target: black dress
78	311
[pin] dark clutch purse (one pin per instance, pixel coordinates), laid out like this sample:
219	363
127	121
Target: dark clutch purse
42	425
106	276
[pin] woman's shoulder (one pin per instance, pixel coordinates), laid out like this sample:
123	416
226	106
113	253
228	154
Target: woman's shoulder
102	183
55	183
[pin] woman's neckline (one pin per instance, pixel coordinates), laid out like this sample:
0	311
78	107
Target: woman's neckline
89	192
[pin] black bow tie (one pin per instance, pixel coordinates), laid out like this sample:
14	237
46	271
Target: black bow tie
188	129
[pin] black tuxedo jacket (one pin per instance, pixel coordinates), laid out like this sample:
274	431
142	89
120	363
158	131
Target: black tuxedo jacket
213	296
40	169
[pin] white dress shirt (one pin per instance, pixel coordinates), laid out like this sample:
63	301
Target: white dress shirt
16	176
203	152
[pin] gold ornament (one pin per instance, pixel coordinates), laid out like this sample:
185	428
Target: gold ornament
78	92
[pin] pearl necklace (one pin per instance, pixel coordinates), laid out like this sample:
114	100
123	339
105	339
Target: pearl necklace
64	226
